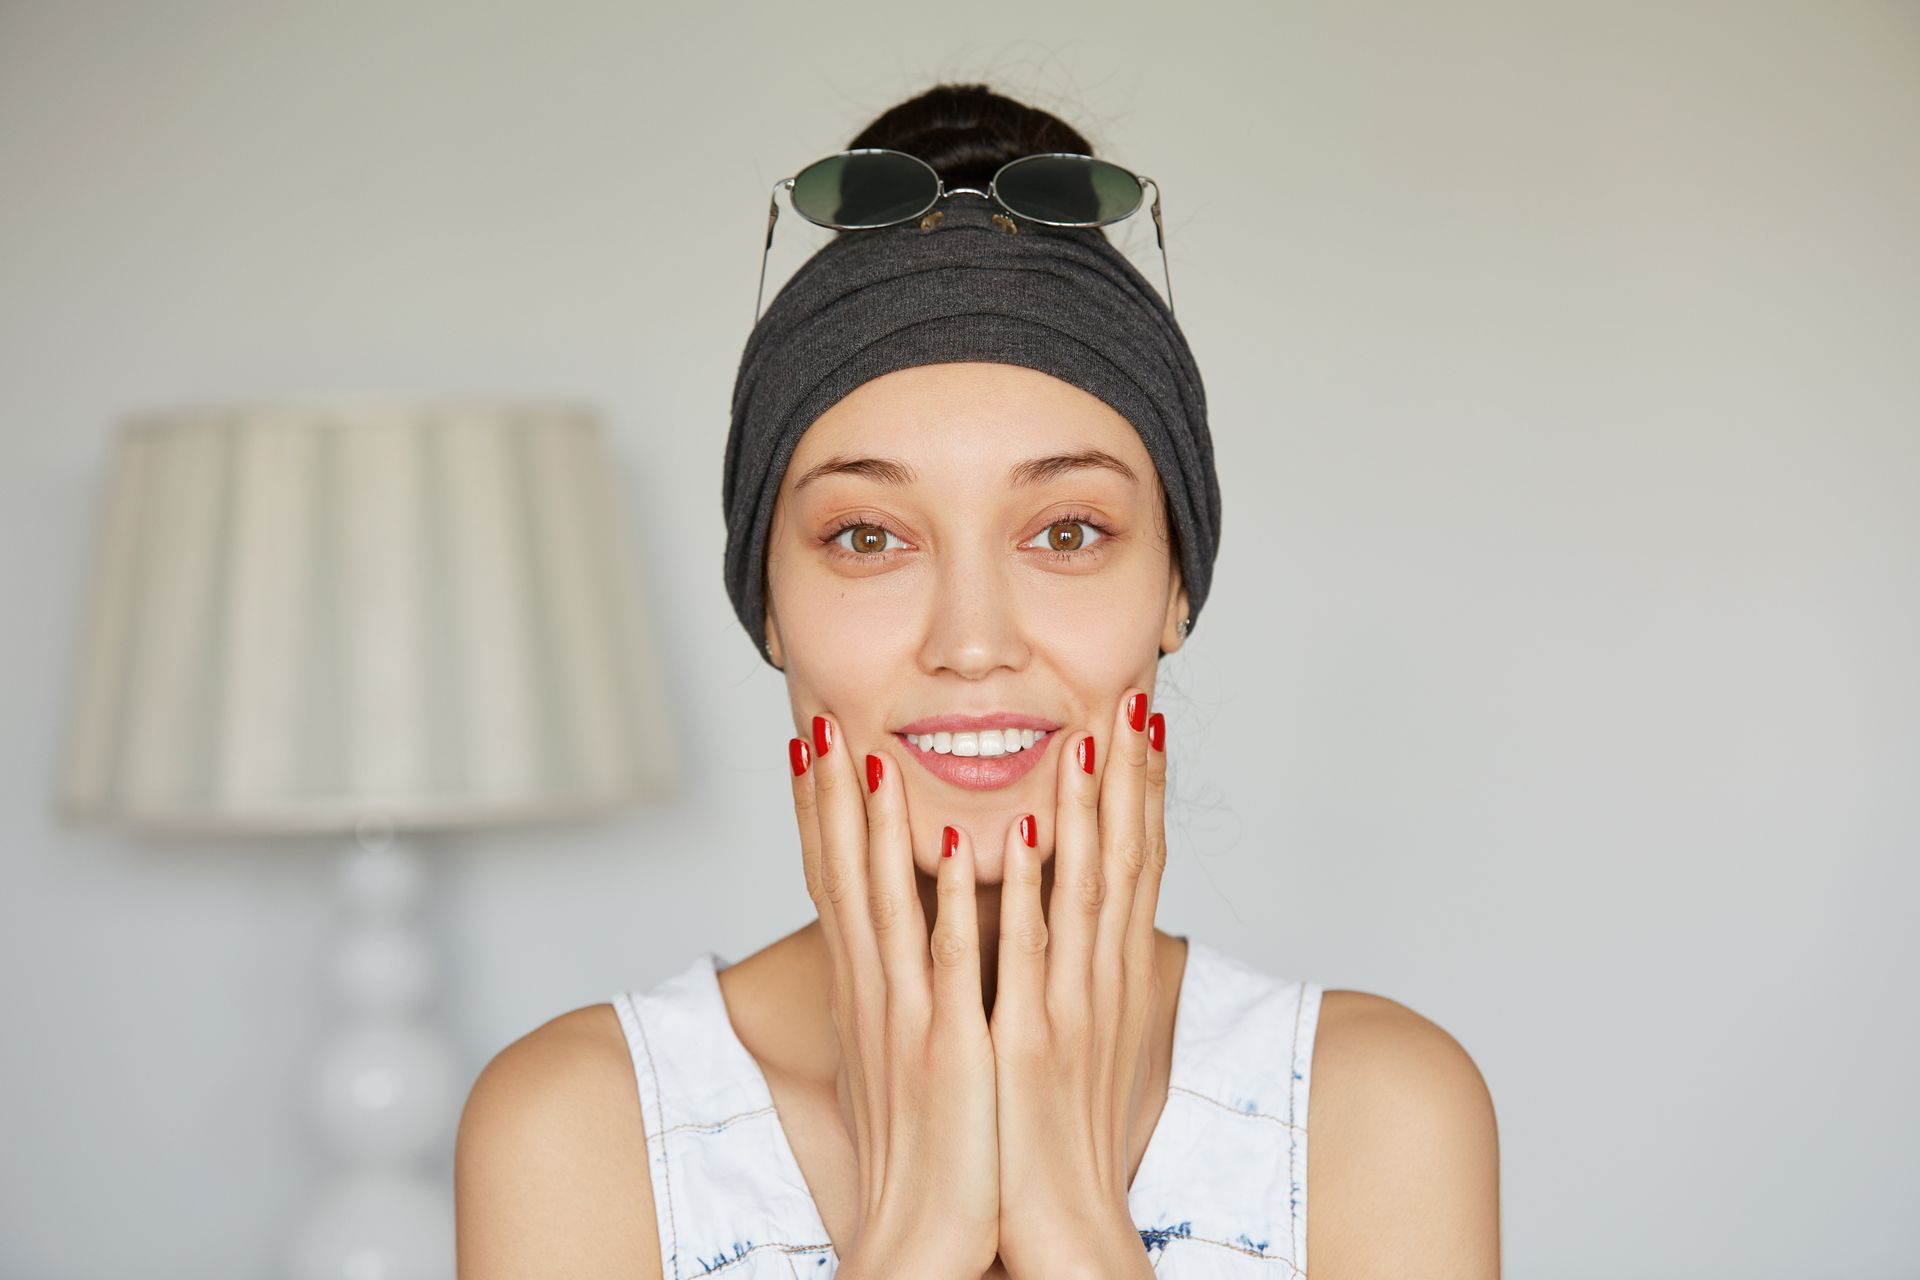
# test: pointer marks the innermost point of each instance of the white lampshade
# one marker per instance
(304, 614)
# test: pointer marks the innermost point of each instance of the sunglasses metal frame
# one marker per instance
(942, 191)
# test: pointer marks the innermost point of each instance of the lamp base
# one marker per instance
(386, 1091)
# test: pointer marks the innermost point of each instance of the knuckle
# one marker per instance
(886, 909)
(1027, 938)
(1090, 890)
(948, 948)
(835, 880)
(1130, 854)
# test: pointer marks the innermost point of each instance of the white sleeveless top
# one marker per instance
(1221, 1192)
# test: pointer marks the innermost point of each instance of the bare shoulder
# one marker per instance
(550, 1167)
(1403, 1165)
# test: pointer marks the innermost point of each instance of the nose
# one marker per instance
(973, 624)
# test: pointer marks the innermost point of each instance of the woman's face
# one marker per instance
(969, 539)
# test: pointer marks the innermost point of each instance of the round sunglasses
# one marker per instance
(879, 187)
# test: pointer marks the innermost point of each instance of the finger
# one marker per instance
(899, 921)
(843, 857)
(1140, 948)
(1123, 826)
(1142, 966)
(954, 946)
(1020, 990)
(1079, 879)
(806, 814)
(1122, 820)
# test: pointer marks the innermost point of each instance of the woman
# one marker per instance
(971, 501)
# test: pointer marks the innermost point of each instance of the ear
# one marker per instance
(1170, 637)
(775, 651)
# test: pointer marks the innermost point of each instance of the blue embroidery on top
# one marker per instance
(740, 1248)
(1258, 1246)
(1157, 1237)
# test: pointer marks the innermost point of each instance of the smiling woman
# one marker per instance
(971, 503)
(1020, 586)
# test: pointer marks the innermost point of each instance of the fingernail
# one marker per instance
(949, 841)
(1085, 754)
(1157, 732)
(1027, 833)
(822, 735)
(797, 755)
(1137, 711)
(873, 774)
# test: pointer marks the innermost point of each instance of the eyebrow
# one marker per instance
(1032, 471)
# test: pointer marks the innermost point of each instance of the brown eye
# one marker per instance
(864, 539)
(1070, 537)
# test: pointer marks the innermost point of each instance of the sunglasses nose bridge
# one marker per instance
(942, 191)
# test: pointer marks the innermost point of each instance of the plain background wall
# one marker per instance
(1562, 673)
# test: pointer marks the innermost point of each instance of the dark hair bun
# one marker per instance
(967, 131)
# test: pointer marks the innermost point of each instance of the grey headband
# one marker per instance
(1061, 300)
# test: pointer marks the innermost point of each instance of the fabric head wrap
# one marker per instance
(1061, 300)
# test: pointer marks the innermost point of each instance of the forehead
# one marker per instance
(967, 417)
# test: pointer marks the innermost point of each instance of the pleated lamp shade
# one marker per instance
(304, 614)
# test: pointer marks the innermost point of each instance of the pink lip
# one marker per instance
(980, 773)
(971, 724)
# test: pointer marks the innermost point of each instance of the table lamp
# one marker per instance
(379, 617)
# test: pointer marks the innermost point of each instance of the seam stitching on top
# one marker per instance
(666, 1156)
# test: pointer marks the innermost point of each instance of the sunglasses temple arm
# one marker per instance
(773, 214)
(1160, 237)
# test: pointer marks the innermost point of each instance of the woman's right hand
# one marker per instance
(916, 1080)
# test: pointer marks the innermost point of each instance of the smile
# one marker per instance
(979, 761)
(986, 742)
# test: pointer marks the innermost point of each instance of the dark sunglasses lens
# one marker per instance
(1068, 189)
(872, 189)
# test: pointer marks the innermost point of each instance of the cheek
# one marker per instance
(1102, 641)
(848, 630)
(848, 652)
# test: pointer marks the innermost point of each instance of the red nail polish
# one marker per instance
(797, 755)
(822, 735)
(949, 841)
(1027, 833)
(1137, 711)
(1157, 732)
(1085, 754)
(873, 774)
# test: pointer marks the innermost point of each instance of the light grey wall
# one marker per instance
(1560, 679)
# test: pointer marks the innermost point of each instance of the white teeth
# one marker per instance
(987, 742)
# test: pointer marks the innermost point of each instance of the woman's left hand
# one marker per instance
(1075, 995)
